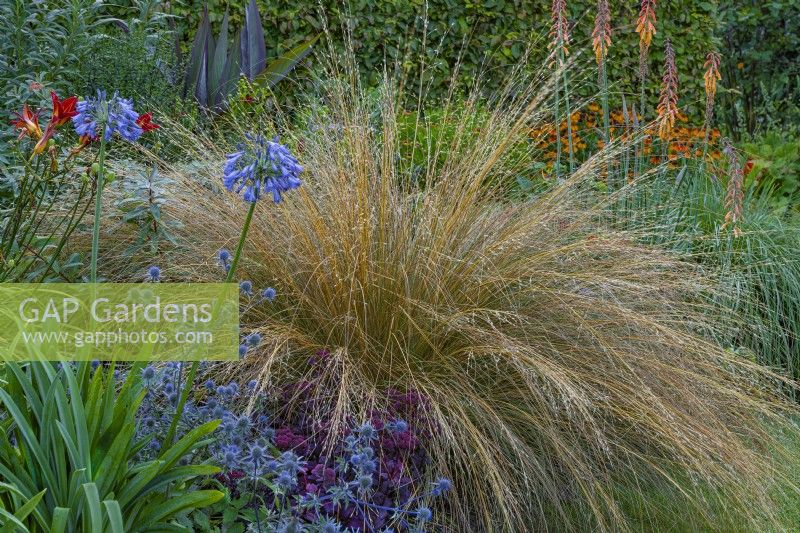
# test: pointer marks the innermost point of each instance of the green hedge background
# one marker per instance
(487, 33)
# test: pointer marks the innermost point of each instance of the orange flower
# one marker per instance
(646, 23)
(42, 144)
(668, 102)
(712, 74)
(28, 123)
(601, 35)
(145, 122)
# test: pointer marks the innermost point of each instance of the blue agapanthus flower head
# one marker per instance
(116, 113)
(261, 167)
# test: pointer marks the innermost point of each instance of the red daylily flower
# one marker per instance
(145, 122)
(27, 122)
(63, 110)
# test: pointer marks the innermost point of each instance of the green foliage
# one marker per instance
(775, 171)
(138, 63)
(146, 193)
(44, 42)
(39, 211)
(758, 272)
(761, 73)
(476, 35)
(68, 443)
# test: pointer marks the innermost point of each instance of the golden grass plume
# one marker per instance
(563, 361)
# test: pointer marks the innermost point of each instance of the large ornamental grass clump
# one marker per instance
(564, 364)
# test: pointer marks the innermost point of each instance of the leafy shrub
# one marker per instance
(761, 73)
(561, 360)
(44, 42)
(138, 62)
(146, 194)
(773, 164)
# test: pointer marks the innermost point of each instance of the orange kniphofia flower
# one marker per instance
(712, 75)
(646, 23)
(27, 122)
(601, 35)
(668, 102)
(646, 28)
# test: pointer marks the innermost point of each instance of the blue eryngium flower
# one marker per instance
(261, 167)
(116, 113)
(269, 294)
(246, 287)
(154, 274)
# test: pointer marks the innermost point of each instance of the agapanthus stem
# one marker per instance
(193, 370)
(240, 245)
(98, 205)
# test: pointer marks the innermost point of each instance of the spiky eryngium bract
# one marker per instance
(562, 359)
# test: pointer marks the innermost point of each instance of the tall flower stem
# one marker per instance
(606, 118)
(240, 245)
(569, 118)
(193, 370)
(558, 130)
(255, 471)
(98, 205)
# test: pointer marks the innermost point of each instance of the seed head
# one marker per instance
(668, 102)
